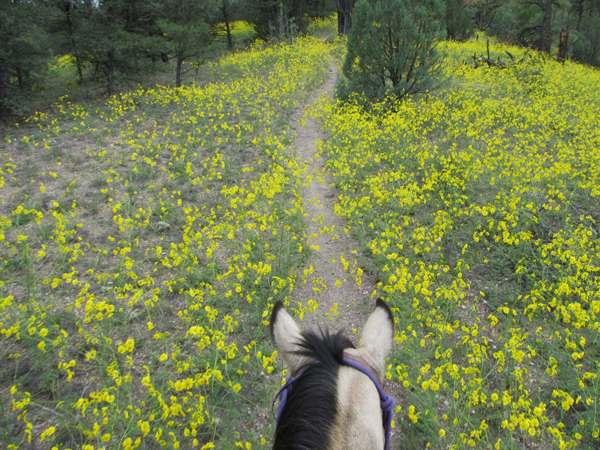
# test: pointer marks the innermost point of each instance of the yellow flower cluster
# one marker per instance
(143, 242)
(479, 205)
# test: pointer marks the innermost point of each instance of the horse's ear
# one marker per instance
(378, 334)
(285, 334)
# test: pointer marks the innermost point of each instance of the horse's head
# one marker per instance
(330, 400)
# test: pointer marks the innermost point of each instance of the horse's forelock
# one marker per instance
(309, 415)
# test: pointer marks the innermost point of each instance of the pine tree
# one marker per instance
(186, 31)
(225, 8)
(67, 20)
(392, 47)
(120, 39)
(24, 54)
(586, 35)
(277, 18)
(459, 25)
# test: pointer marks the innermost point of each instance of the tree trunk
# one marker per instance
(580, 11)
(229, 38)
(225, 13)
(74, 52)
(178, 72)
(547, 27)
(344, 12)
(79, 68)
(20, 79)
(109, 69)
(110, 82)
(4, 87)
(562, 46)
(449, 20)
(300, 18)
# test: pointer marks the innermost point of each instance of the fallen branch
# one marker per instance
(480, 60)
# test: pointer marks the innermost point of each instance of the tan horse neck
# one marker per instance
(358, 425)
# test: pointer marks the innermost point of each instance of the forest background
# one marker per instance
(50, 48)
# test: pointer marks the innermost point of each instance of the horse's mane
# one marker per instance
(309, 413)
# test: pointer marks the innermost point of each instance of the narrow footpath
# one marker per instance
(330, 274)
(342, 303)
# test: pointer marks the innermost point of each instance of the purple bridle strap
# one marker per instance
(386, 401)
(285, 391)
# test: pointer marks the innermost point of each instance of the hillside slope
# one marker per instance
(478, 204)
(143, 242)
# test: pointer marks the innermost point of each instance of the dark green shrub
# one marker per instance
(392, 48)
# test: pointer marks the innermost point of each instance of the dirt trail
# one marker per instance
(343, 304)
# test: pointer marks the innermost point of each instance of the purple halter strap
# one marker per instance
(386, 401)
(286, 390)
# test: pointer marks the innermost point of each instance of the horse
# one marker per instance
(334, 398)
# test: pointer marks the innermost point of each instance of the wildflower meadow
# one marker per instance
(477, 206)
(142, 245)
(145, 238)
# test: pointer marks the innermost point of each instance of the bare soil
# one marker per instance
(343, 304)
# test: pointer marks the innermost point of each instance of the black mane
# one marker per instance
(309, 413)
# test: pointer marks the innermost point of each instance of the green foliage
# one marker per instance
(67, 23)
(92, 47)
(186, 31)
(120, 40)
(459, 25)
(504, 21)
(183, 38)
(516, 21)
(280, 18)
(392, 48)
(586, 46)
(522, 22)
(24, 54)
